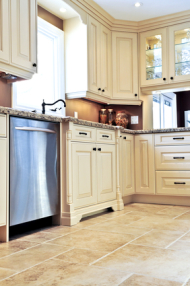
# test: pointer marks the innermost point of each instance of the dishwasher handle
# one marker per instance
(35, 129)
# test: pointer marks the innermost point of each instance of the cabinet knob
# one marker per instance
(135, 94)
(99, 149)
(103, 90)
(34, 65)
(99, 89)
(94, 149)
(171, 78)
(124, 137)
(164, 78)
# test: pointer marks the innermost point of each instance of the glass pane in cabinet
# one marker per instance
(182, 52)
(154, 57)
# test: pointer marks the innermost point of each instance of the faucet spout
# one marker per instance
(44, 104)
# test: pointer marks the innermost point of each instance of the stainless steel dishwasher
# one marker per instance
(34, 164)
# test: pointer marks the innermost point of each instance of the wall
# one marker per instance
(49, 17)
(183, 104)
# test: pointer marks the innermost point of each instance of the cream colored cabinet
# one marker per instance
(99, 58)
(18, 37)
(127, 168)
(3, 181)
(106, 165)
(23, 34)
(125, 67)
(153, 57)
(144, 164)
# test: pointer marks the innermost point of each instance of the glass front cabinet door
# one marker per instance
(179, 52)
(153, 56)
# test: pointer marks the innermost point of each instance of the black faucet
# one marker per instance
(44, 104)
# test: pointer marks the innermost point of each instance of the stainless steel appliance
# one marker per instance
(34, 188)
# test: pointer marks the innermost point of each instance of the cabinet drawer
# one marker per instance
(177, 138)
(82, 133)
(105, 136)
(3, 125)
(173, 183)
(172, 158)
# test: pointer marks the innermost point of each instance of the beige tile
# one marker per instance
(89, 221)
(139, 280)
(39, 237)
(14, 246)
(60, 230)
(166, 264)
(127, 218)
(173, 211)
(149, 208)
(181, 245)
(29, 257)
(57, 272)
(188, 283)
(81, 256)
(158, 238)
(4, 273)
(112, 226)
(186, 237)
(89, 239)
(110, 215)
(185, 216)
(162, 223)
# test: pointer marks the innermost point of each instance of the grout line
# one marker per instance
(177, 239)
(126, 279)
(119, 248)
(35, 265)
(186, 281)
(149, 246)
(180, 215)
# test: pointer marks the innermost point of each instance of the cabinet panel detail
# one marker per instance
(3, 125)
(3, 181)
(177, 138)
(144, 164)
(4, 31)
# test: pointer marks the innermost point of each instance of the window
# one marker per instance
(48, 83)
(164, 111)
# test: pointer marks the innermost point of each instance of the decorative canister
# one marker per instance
(103, 116)
(111, 116)
(122, 119)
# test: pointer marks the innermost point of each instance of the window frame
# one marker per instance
(57, 35)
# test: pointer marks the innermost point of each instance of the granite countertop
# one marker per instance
(32, 115)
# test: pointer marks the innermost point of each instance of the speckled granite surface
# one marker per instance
(21, 113)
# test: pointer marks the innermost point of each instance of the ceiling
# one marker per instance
(54, 6)
(125, 9)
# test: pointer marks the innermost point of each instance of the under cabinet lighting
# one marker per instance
(63, 10)
(138, 4)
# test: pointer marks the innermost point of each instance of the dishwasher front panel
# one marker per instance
(34, 187)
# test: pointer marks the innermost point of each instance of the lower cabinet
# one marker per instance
(3, 180)
(127, 169)
(144, 164)
(93, 173)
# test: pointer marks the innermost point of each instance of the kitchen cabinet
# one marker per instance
(125, 65)
(144, 164)
(18, 38)
(127, 167)
(3, 181)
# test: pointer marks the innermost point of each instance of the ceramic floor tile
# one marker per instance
(162, 223)
(158, 238)
(173, 211)
(14, 246)
(166, 264)
(188, 283)
(57, 272)
(186, 237)
(127, 218)
(40, 237)
(139, 280)
(185, 216)
(181, 245)
(94, 240)
(60, 230)
(112, 226)
(4, 273)
(29, 257)
(81, 256)
(89, 221)
(149, 208)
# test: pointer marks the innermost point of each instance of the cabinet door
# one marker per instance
(84, 174)
(4, 31)
(3, 181)
(106, 171)
(94, 40)
(125, 68)
(144, 164)
(128, 176)
(179, 56)
(24, 33)
(153, 57)
(105, 62)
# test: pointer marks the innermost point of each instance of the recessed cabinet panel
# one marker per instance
(23, 26)
(4, 31)
(125, 69)
(106, 172)
(84, 174)
(144, 164)
(3, 125)
(177, 138)
(3, 181)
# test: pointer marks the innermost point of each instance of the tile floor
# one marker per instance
(143, 245)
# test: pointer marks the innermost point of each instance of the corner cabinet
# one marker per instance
(144, 164)
(18, 37)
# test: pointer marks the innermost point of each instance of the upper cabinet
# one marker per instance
(125, 67)
(18, 37)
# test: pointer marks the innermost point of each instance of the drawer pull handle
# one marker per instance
(178, 138)
(99, 149)
(178, 157)
(106, 136)
(179, 183)
(82, 133)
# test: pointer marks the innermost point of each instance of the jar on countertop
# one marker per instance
(122, 119)
(103, 116)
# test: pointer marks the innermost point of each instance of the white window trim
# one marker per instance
(57, 34)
